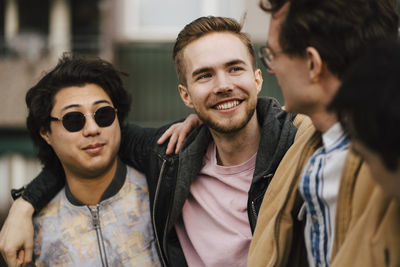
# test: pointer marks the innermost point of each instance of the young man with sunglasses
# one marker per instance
(323, 208)
(205, 200)
(102, 215)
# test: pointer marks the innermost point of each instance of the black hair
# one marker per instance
(338, 29)
(368, 101)
(71, 70)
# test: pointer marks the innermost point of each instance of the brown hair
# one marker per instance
(200, 27)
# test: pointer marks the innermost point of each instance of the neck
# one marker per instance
(89, 190)
(236, 148)
(322, 119)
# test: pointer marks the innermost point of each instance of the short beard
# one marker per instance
(227, 129)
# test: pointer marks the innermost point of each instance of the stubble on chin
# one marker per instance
(227, 126)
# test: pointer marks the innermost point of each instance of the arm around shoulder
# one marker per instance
(44, 187)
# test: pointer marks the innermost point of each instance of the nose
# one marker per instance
(91, 128)
(223, 83)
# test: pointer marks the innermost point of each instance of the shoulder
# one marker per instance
(269, 110)
(303, 124)
(56, 203)
(269, 104)
(373, 237)
(198, 140)
(135, 176)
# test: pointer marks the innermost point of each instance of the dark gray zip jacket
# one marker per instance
(169, 177)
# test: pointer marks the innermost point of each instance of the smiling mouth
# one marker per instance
(227, 105)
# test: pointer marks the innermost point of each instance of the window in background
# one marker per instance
(85, 26)
(398, 6)
(2, 14)
(2, 38)
(162, 20)
(34, 16)
(31, 40)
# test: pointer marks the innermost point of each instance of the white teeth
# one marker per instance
(228, 105)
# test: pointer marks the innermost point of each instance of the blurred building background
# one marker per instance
(136, 35)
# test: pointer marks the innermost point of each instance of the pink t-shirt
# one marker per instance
(214, 229)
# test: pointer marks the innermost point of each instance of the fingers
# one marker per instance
(20, 258)
(183, 133)
(28, 253)
(173, 133)
(164, 137)
(10, 256)
(171, 144)
(178, 132)
(16, 236)
(179, 144)
(167, 134)
(16, 258)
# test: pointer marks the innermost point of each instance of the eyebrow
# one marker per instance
(201, 70)
(235, 62)
(77, 105)
(207, 69)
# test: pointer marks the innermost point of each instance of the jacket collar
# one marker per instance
(112, 189)
(277, 135)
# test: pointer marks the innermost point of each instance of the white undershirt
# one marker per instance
(319, 187)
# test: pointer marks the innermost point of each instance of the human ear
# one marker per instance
(258, 79)
(314, 63)
(45, 135)
(183, 91)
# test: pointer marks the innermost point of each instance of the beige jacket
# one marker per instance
(367, 228)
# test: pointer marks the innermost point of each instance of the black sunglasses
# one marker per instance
(74, 121)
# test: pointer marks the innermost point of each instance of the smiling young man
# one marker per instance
(101, 217)
(222, 88)
(327, 210)
(205, 200)
(207, 210)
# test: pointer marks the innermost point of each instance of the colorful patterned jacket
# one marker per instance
(115, 232)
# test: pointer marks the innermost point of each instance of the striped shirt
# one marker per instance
(319, 187)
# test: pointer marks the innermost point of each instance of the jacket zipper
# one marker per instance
(94, 210)
(253, 210)
(161, 255)
(253, 204)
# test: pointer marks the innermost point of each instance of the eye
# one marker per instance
(204, 76)
(236, 69)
